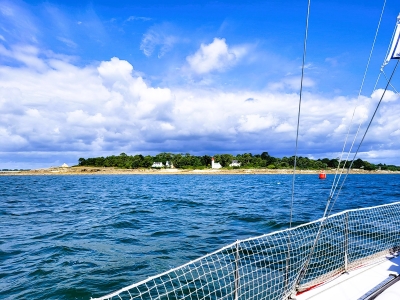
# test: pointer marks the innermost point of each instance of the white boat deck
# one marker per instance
(359, 284)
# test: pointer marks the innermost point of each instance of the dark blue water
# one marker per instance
(76, 237)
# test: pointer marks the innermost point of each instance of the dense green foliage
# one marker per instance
(247, 160)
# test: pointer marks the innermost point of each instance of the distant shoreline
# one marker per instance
(111, 171)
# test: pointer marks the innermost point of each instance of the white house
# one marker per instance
(235, 163)
(64, 165)
(157, 165)
(215, 165)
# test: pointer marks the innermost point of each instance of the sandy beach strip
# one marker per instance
(110, 171)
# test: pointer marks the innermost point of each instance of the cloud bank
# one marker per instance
(53, 108)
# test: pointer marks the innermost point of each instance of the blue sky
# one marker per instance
(82, 79)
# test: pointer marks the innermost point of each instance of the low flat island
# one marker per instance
(79, 170)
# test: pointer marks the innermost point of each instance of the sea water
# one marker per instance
(76, 237)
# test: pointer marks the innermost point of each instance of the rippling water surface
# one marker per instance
(76, 237)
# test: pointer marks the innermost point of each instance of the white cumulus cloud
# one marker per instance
(216, 56)
(388, 97)
(115, 70)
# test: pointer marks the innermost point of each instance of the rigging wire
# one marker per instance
(365, 133)
(384, 62)
(337, 177)
(304, 269)
(299, 111)
(358, 129)
(388, 50)
(337, 180)
(377, 80)
(297, 139)
(383, 72)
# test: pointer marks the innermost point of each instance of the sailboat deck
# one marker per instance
(360, 283)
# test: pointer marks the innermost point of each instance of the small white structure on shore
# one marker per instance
(215, 165)
(169, 164)
(64, 165)
(235, 163)
(157, 165)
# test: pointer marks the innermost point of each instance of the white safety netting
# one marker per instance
(276, 265)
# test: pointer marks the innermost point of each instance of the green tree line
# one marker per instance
(246, 160)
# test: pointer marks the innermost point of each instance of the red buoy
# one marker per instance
(322, 175)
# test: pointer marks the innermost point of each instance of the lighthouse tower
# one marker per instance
(215, 165)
